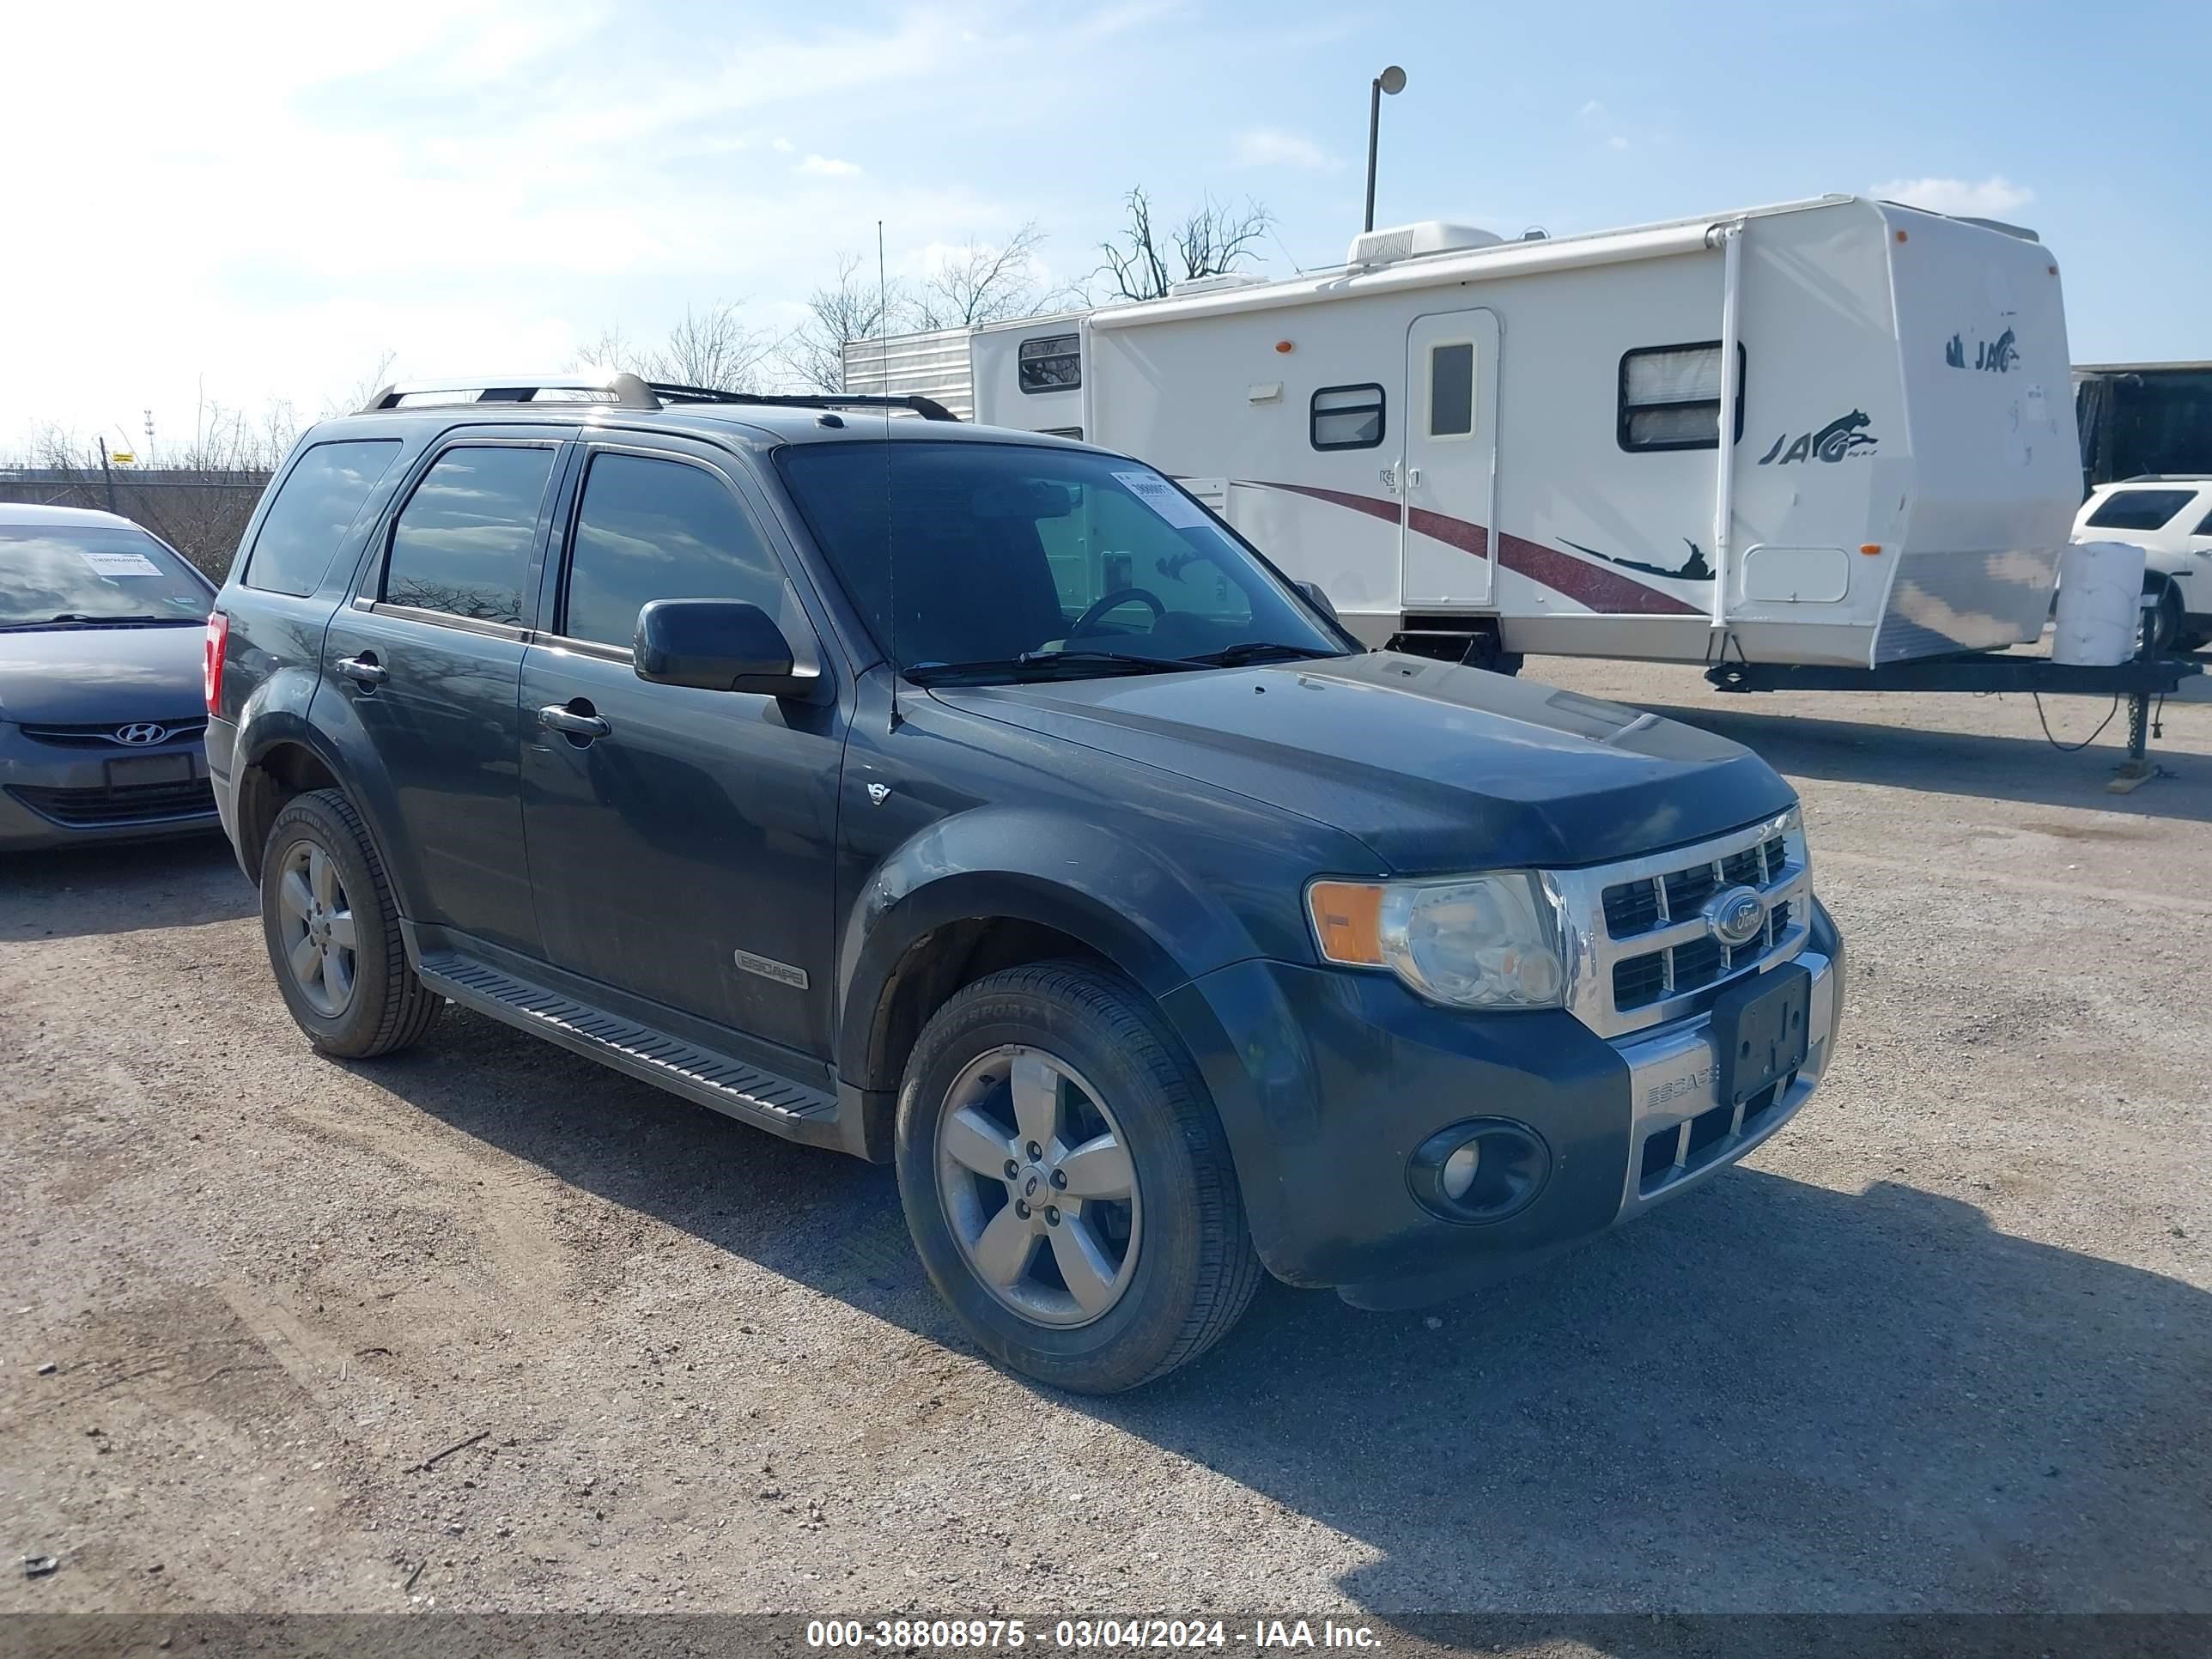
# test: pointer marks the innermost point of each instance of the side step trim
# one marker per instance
(777, 1105)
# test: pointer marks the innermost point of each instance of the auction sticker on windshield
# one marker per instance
(1165, 498)
(120, 565)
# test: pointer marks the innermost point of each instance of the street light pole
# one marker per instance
(1392, 81)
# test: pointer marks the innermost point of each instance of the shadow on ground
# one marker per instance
(1962, 762)
(1772, 1395)
(122, 887)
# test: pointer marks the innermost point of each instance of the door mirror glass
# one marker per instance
(718, 645)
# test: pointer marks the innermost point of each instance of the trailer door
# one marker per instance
(1446, 477)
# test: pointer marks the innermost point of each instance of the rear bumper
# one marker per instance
(1330, 1083)
(52, 795)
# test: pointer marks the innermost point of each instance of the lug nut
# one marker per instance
(1012, 1168)
(1051, 1216)
(1035, 1151)
(1021, 1209)
(1059, 1177)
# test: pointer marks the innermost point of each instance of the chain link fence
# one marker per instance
(201, 514)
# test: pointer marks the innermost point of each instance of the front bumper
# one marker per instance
(78, 794)
(1329, 1082)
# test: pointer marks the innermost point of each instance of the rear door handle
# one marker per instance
(363, 669)
(558, 718)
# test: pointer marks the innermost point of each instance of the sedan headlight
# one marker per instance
(1487, 941)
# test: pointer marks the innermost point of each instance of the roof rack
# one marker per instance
(624, 392)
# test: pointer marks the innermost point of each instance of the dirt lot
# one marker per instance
(488, 1326)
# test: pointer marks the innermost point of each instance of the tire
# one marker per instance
(369, 1003)
(2165, 621)
(1178, 1251)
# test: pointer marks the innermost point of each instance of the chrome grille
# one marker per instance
(1638, 948)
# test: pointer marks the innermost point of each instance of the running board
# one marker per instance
(775, 1103)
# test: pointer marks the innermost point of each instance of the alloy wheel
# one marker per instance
(1038, 1187)
(317, 928)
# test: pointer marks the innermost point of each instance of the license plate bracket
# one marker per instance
(138, 769)
(1761, 1030)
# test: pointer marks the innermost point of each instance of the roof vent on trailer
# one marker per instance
(1216, 282)
(1382, 247)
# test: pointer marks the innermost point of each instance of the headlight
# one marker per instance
(1489, 941)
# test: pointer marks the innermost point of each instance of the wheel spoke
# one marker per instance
(306, 961)
(321, 877)
(1099, 1168)
(1083, 1264)
(976, 1143)
(1035, 1083)
(1003, 1250)
(342, 930)
(293, 894)
(338, 973)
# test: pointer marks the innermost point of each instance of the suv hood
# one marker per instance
(86, 676)
(1434, 766)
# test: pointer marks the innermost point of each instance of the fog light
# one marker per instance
(1458, 1174)
(1484, 1168)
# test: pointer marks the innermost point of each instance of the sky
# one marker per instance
(238, 207)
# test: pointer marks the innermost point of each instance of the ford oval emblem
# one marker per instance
(1736, 916)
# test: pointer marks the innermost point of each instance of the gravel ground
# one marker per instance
(488, 1326)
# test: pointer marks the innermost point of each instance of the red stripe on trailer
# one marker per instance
(1604, 590)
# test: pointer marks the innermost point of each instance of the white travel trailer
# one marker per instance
(1476, 446)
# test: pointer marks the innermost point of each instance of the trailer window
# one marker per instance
(1053, 363)
(1670, 396)
(2140, 509)
(1451, 390)
(1346, 418)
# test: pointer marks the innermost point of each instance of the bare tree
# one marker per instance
(856, 307)
(983, 283)
(356, 396)
(1209, 240)
(715, 347)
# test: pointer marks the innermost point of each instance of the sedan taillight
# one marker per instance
(218, 636)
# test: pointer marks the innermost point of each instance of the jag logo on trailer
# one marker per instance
(1995, 357)
(1845, 435)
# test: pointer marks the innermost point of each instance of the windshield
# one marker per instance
(53, 574)
(996, 555)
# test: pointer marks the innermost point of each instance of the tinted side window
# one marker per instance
(320, 499)
(1054, 363)
(1451, 390)
(659, 530)
(2140, 509)
(463, 542)
(1346, 417)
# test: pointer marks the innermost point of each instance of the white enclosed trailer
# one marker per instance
(1478, 445)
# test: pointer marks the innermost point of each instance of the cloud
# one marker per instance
(1597, 119)
(783, 146)
(828, 167)
(1270, 146)
(1992, 198)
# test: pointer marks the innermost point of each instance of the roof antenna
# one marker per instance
(891, 563)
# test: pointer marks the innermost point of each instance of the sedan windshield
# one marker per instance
(988, 560)
(56, 575)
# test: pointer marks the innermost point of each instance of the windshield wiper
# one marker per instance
(1252, 651)
(86, 619)
(1044, 664)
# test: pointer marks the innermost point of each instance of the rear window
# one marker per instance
(314, 509)
(58, 573)
(2140, 509)
(462, 542)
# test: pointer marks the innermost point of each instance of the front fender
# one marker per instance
(1111, 892)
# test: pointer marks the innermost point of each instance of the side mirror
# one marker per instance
(717, 645)
(1312, 590)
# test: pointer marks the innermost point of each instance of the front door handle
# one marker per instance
(575, 722)
(363, 669)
